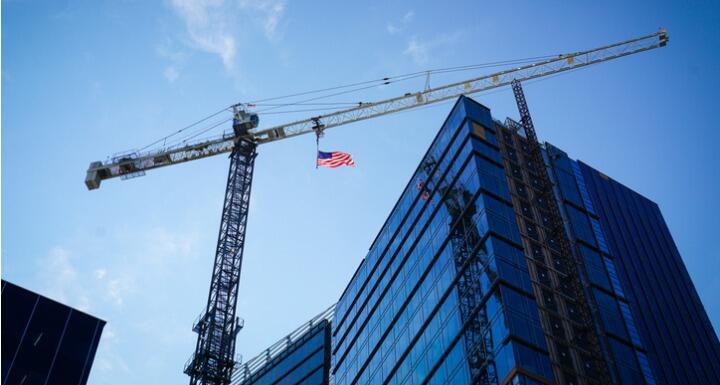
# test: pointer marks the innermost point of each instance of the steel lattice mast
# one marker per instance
(217, 327)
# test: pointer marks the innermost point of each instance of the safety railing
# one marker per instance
(244, 370)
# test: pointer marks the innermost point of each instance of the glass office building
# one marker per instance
(495, 269)
(620, 338)
(670, 329)
(300, 358)
(444, 294)
(45, 342)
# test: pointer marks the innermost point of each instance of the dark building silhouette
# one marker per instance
(44, 341)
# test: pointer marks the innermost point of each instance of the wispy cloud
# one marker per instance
(108, 357)
(418, 50)
(422, 50)
(62, 279)
(394, 28)
(118, 288)
(408, 16)
(171, 74)
(207, 26)
(176, 57)
(212, 25)
(122, 278)
(100, 273)
(268, 12)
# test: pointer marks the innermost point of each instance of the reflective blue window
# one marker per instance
(602, 244)
(566, 183)
(612, 273)
(492, 178)
(580, 224)
(504, 361)
(582, 187)
(534, 361)
(594, 266)
(514, 274)
(487, 150)
(645, 368)
(626, 362)
(630, 323)
(611, 317)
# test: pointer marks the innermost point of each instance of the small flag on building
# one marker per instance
(334, 159)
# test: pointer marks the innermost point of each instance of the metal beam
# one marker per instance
(131, 165)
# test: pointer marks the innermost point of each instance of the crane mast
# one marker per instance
(214, 357)
(213, 360)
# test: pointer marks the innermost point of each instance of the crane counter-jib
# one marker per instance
(133, 163)
(136, 164)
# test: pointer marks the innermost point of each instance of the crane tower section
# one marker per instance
(214, 357)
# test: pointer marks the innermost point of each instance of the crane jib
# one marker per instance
(135, 164)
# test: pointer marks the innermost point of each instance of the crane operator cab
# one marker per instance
(244, 121)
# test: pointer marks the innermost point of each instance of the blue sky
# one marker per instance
(82, 80)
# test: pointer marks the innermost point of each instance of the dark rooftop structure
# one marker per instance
(44, 341)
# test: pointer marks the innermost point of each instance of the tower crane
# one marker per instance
(217, 327)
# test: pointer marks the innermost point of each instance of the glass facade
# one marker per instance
(45, 342)
(665, 323)
(305, 361)
(494, 269)
(620, 338)
(443, 295)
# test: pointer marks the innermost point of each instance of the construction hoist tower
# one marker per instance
(217, 328)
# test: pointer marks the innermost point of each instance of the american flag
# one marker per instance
(334, 159)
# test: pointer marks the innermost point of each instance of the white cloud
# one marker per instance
(409, 15)
(117, 288)
(171, 74)
(164, 246)
(108, 358)
(422, 50)
(213, 24)
(398, 27)
(418, 50)
(176, 57)
(62, 280)
(128, 277)
(269, 11)
(100, 273)
(207, 28)
(392, 29)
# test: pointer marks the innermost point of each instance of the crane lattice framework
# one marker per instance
(217, 327)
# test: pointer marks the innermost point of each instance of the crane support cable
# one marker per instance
(389, 80)
(411, 100)
(168, 142)
(139, 162)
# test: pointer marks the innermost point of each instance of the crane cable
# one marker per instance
(365, 85)
(413, 74)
